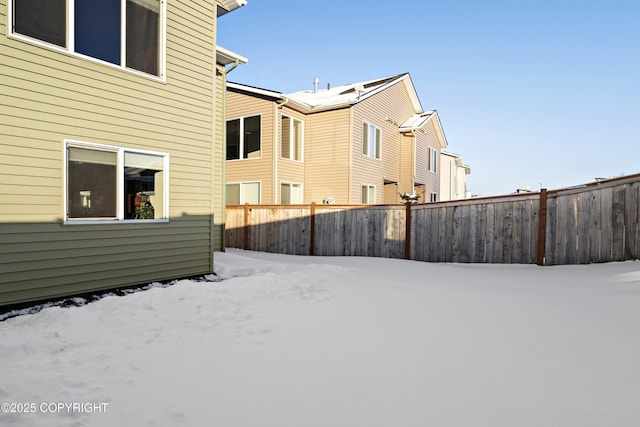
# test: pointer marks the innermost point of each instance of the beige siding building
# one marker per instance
(453, 177)
(360, 143)
(111, 153)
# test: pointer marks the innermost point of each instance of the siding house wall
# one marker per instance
(258, 169)
(49, 96)
(427, 138)
(327, 156)
(289, 171)
(386, 110)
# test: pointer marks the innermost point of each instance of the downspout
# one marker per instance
(276, 156)
(224, 71)
(414, 147)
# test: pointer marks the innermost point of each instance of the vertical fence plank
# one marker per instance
(618, 223)
(550, 239)
(606, 224)
(595, 228)
(407, 232)
(632, 201)
(517, 232)
(584, 234)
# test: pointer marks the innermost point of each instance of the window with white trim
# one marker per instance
(368, 194)
(291, 136)
(290, 193)
(433, 197)
(114, 183)
(243, 192)
(126, 33)
(371, 140)
(433, 160)
(243, 138)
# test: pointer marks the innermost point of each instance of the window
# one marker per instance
(371, 140)
(433, 160)
(97, 29)
(113, 183)
(290, 193)
(243, 138)
(368, 194)
(291, 138)
(244, 192)
(434, 197)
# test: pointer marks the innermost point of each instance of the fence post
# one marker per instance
(542, 227)
(407, 232)
(245, 243)
(312, 229)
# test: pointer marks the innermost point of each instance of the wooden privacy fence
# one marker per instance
(597, 222)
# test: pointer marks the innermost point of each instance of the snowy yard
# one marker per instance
(286, 341)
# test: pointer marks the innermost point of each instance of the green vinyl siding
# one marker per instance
(50, 96)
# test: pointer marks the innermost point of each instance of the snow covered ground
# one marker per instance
(326, 341)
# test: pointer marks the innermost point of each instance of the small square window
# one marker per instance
(243, 192)
(368, 194)
(244, 138)
(290, 193)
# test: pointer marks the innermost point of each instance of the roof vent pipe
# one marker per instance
(316, 82)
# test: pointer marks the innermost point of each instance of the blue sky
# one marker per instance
(531, 94)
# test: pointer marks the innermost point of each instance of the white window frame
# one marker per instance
(433, 160)
(241, 192)
(370, 188)
(120, 208)
(367, 143)
(292, 138)
(162, 40)
(291, 184)
(241, 142)
(433, 196)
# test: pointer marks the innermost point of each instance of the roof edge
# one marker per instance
(226, 6)
(225, 57)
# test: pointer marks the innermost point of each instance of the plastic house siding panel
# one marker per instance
(385, 110)
(427, 138)
(327, 151)
(261, 168)
(49, 97)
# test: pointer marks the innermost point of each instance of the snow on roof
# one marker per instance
(226, 6)
(225, 56)
(416, 121)
(255, 90)
(342, 96)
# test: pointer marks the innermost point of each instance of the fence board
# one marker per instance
(595, 229)
(489, 255)
(632, 200)
(618, 224)
(606, 226)
(550, 240)
(584, 233)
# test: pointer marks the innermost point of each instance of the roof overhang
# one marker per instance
(418, 121)
(226, 6)
(226, 57)
(256, 91)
